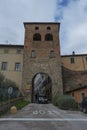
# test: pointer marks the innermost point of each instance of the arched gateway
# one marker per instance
(42, 57)
(41, 86)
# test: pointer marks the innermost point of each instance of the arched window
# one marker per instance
(48, 28)
(37, 37)
(36, 28)
(48, 37)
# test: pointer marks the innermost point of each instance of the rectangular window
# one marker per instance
(33, 54)
(86, 59)
(18, 51)
(52, 54)
(72, 60)
(17, 66)
(6, 51)
(4, 66)
(82, 95)
(73, 94)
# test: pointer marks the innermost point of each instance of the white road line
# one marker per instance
(41, 119)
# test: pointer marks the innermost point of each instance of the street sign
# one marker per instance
(27, 88)
(10, 90)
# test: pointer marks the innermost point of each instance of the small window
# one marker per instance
(72, 60)
(85, 99)
(18, 51)
(33, 54)
(36, 28)
(72, 94)
(48, 28)
(52, 54)
(4, 66)
(48, 37)
(86, 59)
(6, 50)
(17, 66)
(82, 95)
(37, 37)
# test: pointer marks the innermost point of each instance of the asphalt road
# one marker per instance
(43, 117)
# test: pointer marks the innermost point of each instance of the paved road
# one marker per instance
(43, 117)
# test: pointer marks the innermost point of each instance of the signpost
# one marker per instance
(10, 91)
(27, 89)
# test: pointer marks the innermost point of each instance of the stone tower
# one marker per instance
(42, 54)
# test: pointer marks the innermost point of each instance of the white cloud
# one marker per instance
(71, 13)
(14, 12)
(74, 27)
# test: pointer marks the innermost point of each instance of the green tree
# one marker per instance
(4, 85)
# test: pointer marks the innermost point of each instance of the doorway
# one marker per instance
(41, 86)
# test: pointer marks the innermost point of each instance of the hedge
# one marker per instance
(65, 102)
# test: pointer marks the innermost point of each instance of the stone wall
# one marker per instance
(73, 79)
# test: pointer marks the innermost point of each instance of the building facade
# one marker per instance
(11, 62)
(40, 54)
(74, 72)
(77, 62)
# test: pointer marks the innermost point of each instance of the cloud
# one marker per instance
(72, 14)
(73, 26)
(14, 12)
(8, 33)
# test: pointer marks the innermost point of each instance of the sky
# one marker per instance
(72, 15)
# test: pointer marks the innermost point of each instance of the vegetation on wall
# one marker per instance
(4, 85)
(65, 102)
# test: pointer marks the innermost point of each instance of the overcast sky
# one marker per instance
(72, 14)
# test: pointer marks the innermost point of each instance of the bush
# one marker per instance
(21, 104)
(4, 85)
(65, 102)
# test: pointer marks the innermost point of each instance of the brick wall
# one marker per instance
(42, 62)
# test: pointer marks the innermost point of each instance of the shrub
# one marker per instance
(65, 102)
(4, 85)
(21, 104)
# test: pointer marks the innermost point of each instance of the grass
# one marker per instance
(21, 104)
(18, 104)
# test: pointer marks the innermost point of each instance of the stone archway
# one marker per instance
(41, 85)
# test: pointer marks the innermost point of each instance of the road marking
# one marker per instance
(50, 112)
(35, 112)
(42, 112)
(41, 119)
(56, 112)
